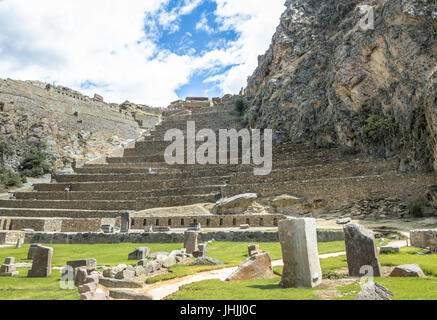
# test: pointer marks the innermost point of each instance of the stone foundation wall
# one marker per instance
(11, 237)
(213, 221)
(424, 239)
(232, 236)
(51, 225)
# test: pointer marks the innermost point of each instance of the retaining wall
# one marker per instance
(144, 238)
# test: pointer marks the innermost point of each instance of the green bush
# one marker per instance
(9, 178)
(374, 127)
(415, 207)
(35, 165)
(240, 106)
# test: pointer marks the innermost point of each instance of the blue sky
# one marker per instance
(151, 52)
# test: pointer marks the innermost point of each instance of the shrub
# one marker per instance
(374, 127)
(35, 165)
(9, 178)
(415, 207)
(240, 106)
(301, 53)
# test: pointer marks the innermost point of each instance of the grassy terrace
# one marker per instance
(402, 288)
(232, 254)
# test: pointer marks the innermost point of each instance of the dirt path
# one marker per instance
(162, 290)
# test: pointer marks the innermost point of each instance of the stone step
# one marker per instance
(115, 195)
(341, 190)
(124, 170)
(247, 174)
(140, 177)
(147, 148)
(69, 204)
(164, 167)
(58, 213)
(136, 205)
(345, 169)
(306, 154)
(132, 185)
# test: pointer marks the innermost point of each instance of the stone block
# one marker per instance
(139, 254)
(256, 267)
(125, 222)
(116, 283)
(190, 241)
(42, 263)
(125, 274)
(408, 271)
(253, 249)
(300, 253)
(129, 295)
(90, 264)
(32, 251)
(361, 251)
(374, 291)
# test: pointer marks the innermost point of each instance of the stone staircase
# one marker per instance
(104, 191)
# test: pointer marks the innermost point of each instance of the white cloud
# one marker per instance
(103, 41)
(256, 21)
(202, 25)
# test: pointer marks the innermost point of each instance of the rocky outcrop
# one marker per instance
(64, 124)
(327, 81)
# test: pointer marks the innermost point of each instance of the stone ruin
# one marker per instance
(300, 253)
(258, 266)
(122, 184)
(361, 251)
(425, 239)
(190, 241)
(8, 269)
(42, 263)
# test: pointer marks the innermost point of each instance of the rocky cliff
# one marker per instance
(65, 124)
(326, 80)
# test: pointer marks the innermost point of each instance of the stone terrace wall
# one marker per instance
(51, 224)
(11, 237)
(138, 223)
(424, 239)
(144, 238)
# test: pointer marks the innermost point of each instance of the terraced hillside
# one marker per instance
(323, 180)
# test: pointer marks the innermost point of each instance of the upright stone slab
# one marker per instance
(32, 251)
(298, 239)
(361, 251)
(190, 241)
(19, 243)
(125, 222)
(42, 263)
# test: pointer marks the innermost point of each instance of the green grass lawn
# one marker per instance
(402, 288)
(106, 254)
(23, 288)
(234, 253)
